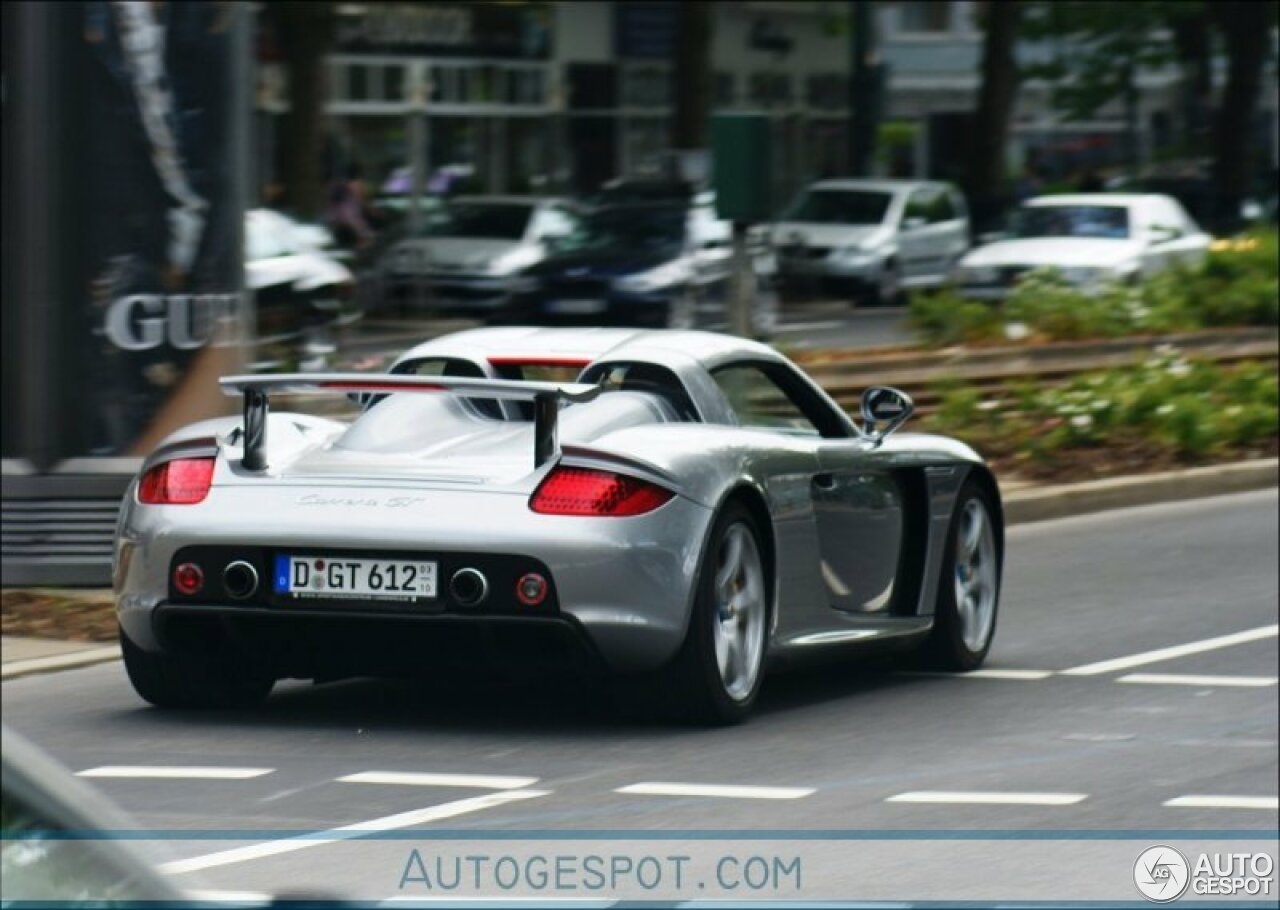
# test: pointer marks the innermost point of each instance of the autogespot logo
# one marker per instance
(1161, 874)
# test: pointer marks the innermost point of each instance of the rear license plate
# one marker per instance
(339, 578)
(576, 307)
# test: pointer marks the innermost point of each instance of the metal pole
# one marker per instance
(742, 285)
(861, 117)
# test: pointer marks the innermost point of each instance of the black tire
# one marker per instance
(169, 681)
(694, 686)
(945, 648)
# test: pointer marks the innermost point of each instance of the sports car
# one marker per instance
(683, 509)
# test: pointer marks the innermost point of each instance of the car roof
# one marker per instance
(588, 344)
(874, 184)
(1119, 199)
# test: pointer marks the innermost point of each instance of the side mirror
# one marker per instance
(883, 411)
(912, 222)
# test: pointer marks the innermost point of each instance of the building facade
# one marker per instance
(558, 96)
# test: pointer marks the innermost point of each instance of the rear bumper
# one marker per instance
(627, 583)
(318, 643)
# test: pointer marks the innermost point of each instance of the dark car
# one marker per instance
(654, 264)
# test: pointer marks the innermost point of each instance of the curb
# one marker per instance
(19, 668)
(1023, 506)
(1066, 500)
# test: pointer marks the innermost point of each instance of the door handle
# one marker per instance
(824, 481)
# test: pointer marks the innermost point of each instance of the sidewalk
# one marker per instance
(21, 656)
(1023, 502)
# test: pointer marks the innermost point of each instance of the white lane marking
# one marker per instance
(728, 791)
(988, 797)
(176, 772)
(1184, 679)
(1004, 674)
(1224, 802)
(429, 779)
(1194, 647)
(348, 832)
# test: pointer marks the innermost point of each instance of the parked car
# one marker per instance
(465, 259)
(1089, 239)
(664, 264)
(870, 240)
(293, 272)
(689, 510)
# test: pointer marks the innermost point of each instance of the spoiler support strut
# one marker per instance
(545, 396)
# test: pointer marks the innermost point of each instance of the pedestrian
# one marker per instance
(348, 210)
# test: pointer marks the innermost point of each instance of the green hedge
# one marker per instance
(1237, 285)
(1187, 410)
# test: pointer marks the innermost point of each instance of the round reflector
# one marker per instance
(188, 578)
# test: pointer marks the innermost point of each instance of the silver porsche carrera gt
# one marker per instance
(682, 508)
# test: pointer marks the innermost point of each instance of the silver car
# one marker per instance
(870, 240)
(465, 256)
(682, 507)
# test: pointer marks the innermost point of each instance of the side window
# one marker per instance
(918, 207)
(759, 402)
(941, 208)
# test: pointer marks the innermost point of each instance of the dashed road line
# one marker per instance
(1185, 679)
(349, 832)
(996, 673)
(175, 772)
(1224, 802)
(1194, 647)
(724, 791)
(988, 797)
(432, 779)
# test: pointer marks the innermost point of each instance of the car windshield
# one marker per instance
(650, 230)
(1106, 221)
(839, 207)
(497, 220)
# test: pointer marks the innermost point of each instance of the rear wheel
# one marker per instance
(195, 681)
(969, 586)
(718, 671)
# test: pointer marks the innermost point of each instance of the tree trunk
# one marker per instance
(1000, 79)
(691, 82)
(305, 33)
(1246, 28)
(1192, 39)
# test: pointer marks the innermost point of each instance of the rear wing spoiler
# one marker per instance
(546, 398)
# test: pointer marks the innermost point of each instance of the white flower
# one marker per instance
(1164, 409)
(1179, 368)
(1100, 404)
(1016, 331)
(1082, 421)
(988, 405)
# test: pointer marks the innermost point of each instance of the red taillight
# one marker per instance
(182, 481)
(583, 491)
(188, 578)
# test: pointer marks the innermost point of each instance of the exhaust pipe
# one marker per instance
(468, 587)
(240, 579)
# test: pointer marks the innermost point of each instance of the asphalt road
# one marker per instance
(1059, 730)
